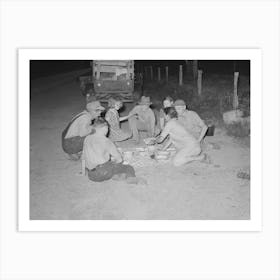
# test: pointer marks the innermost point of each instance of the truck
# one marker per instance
(110, 78)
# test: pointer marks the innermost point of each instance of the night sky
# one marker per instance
(41, 68)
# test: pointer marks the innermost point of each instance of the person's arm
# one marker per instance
(202, 125)
(83, 163)
(163, 134)
(127, 117)
(202, 133)
(152, 120)
(161, 122)
(115, 154)
(85, 126)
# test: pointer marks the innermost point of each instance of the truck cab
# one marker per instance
(110, 78)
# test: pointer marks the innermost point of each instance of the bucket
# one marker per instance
(210, 131)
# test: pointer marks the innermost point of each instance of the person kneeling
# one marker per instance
(188, 148)
(101, 158)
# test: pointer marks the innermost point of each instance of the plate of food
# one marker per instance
(150, 141)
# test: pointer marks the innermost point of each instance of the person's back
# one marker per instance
(192, 122)
(97, 150)
(79, 125)
(179, 136)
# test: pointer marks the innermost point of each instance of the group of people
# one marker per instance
(94, 138)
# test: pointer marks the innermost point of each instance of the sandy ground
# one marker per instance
(199, 190)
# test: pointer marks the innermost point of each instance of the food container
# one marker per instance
(150, 141)
(210, 130)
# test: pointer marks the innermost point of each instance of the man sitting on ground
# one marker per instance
(79, 127)
(190, 120)
(101, 158)
(142, 119)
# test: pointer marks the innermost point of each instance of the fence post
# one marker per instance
(166, 73)
(195, 68)
(180, 75)
(235, 102)
(158, 73)
(199, 82)
(152, 74)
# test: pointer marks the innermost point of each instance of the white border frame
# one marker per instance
(254, 224)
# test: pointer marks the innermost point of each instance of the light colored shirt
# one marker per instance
(145, 114)
(178, 135)
(192, 122)
(81, 126)
(99, 149)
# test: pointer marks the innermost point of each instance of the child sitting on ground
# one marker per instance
(188, 148)
(116, 134)
(101, 158)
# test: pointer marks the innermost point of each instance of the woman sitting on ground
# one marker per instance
(102, 160)
(116, 134)
(188, 148)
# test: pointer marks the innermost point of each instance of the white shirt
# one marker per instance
(81, 126)
(98, 149)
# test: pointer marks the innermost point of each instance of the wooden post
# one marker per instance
(188, 66)
(235, 102)
(195, 68)
(152, 74)
(199, 82)
(158, 72)
(146, 73)
(180, 75)
(166, 73)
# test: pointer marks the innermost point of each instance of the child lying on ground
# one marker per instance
(188, 148)
(101, 158)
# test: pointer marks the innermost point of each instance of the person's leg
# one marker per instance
(132, 122)
(187, 155)
(119, 135)
(119, 168)
(73, 146)
(151, 126)
(102, 172)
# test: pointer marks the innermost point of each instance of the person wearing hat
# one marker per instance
(142, 118)
(190, 120)
(79, 127)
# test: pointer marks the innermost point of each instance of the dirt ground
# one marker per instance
(199, 190)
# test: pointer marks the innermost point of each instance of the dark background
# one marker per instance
(41, 68)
